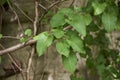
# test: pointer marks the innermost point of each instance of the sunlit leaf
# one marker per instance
(58, 33)
(66, 11)
(78, 24)
(63, 48)
(77, 9)
(98, 7)
(76, 77)
(101, 69)
(76, 43)
(44, 40)
(70, 62)
(57, 20)
(23, 39)
(28, 32)
(109, 20)
(86, 18)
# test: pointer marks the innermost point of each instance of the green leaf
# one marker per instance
(118, 24)
(98, 7)
(101, 69)
(66, 11)
(57, 20)
(113, 71)
(28, 32)
(109, 20)
(70, 62)
(78, 24)
(44, 40)
(49, 40)
(37, 37)
(77, 9)
(87, 19)
(58, 33)
(100, 59)
(40, 48)
(76, 77)
(1, 36)
(63, 48)
(75, 42)
(77, 45)
(23, 39)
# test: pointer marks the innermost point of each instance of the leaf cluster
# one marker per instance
(76, 29)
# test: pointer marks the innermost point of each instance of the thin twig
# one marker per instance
(55, 3)
(36, 18)
(50, 2)
(23, 12)
(10, 37)
(33, 46)
(48, 9)
(14, 62)
(72, 3)
(43, 7)
(16, 47)
(11, 58)
(15, 15)
(18, 66)
(1, 21)
(67, 28)
(29, 63)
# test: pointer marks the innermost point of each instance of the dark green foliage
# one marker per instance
(76, 29)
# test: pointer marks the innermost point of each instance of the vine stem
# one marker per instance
(16, 47)
(33, 46)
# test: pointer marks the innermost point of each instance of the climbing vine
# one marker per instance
(76, 29)
(71, 30)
